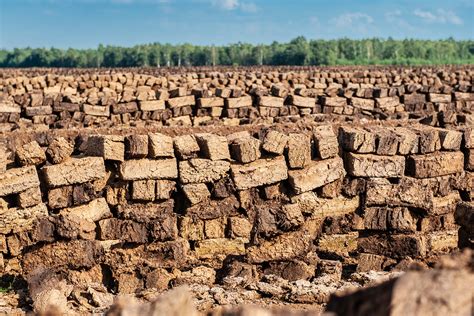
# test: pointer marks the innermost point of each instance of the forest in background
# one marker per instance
(299, 51)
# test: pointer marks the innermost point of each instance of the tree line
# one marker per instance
(298, 51)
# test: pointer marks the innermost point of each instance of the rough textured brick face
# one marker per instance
(368, 165)
(213, 147)
(155, 105)
(310, 203)
(210, 102)
(93, 211)
(186, 147)
(316, 174)
(16, 220)
(233, 103)
(74, 171)
(258, 173)
(245, 149)
(30, 154)
(270, 101)
(136, 146)
(143, 169)
(200, 170)
(59, 150)
(357, 140)
(435, 164)
(144, 190)
(325, 141)
(299, 150)
(109, 147)
(196, 192)
(275, 142)
(181, 101)
(18, 180)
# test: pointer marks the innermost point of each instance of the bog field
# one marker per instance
(237, 191)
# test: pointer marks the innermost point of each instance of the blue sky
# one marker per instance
(86, 23)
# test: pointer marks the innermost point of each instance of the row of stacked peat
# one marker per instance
(150, 211)
(231, 99)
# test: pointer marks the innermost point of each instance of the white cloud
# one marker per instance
(439, 16)
(397, 19)
(350, 19)
(230, 5)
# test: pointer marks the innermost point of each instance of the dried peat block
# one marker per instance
(17, 180)
(316, 174)
(196, 192)
(74, 254)
(245, 149)
(136, 146)
(363, 104)
(357, 140)
(29, 197)
(186, 146)
(109, 147)
(181, 101)
(199, 170)
(234, 103)
(160, 146)
(210, 102)
(30, 154)
(411, 192)
(468, 136)
(96, 110)
(302, 102)
(151, 106)
(450, 140)
(435, 164)
(210, 248)
(340, 244)
(413, 292)
(93, 211)
(74, 171)
(285, 246)
(213, 147)
(394, 245)
(389, 218)
(275, 142)
(334, 101)
(15, 220)
(59, 150)
(121, 108)
(439, 98)
(145, 212)
(310, 203)
(271, 102)
(325, 141)
(439, 242)
(259, 172)
(143, 169)
(9, 108)
(369, 165)
(408, 140)
(299, 150)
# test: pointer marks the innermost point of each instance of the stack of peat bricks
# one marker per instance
(77, 98)
(262, 210)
